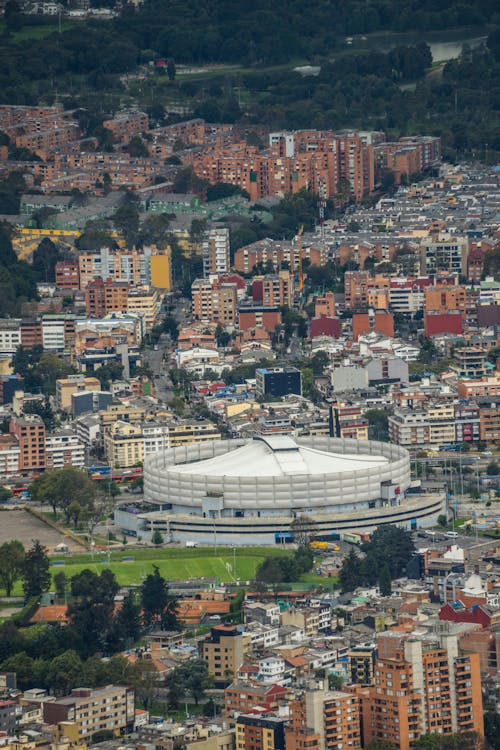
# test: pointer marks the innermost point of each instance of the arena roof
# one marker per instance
(279, 455)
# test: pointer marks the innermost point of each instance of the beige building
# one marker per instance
(106, 709)
(124, 444)
(322, 718)
(145, 301)
(66, 387)
(182, 433)
(223, 653)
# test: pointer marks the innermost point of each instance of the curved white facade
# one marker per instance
(274, 476)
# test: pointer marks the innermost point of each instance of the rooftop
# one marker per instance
(279, 456)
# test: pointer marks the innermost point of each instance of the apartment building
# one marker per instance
(30, 433)
(63, 448)
(273, 290)
(373, 320)
(242, 697)
(433, 425)
(311, 620)
(278, 381)
(222, 651)
(274, 253)
(124, 444)
(184, 432)
(421, 686)
(442, 299)
(470, 362)
(9, 456)
(407, 295)
(258, 316)
(361, 662)
(105, 709)
(355, 289)
(321, 719)
(444, 253)
(255, 732)
(484, 386)
(489, 420)
(103, 297)
(215, 251)
(67, 275)
(324, 305)
(214, 301)
(67, 387)
(127, 124)
(10, 335)
(145, 301)
(347, 421)
(31, 333)
(149, 265)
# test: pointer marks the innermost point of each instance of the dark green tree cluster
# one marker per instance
(31, 567)
(386, 557)
(274, 570)
(61, 657)
(40, 369)
(17, 280)
(71, 491)
(189, 681)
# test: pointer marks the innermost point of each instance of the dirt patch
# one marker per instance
(21, 525)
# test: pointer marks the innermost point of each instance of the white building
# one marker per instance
(215, 251)
(272, 670)
(9, 456)
(62, 448)
(155, 438)
(53, 332)
(10, 335)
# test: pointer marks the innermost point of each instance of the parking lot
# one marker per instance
(21, 525)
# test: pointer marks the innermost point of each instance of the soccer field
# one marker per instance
(132, 566)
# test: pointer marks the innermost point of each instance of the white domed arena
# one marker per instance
(248, 491)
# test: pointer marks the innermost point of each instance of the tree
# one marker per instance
(269, 572)
(128, 620)
(389, 545)
(157, 538)
(190, 679)
(379, 423)
(11, 564)
(61, 583)
(126, 221)
(92, 606)
(442, 520)
(158, 605)
(64, 672)
(137, 148)
(24, 667)
(61, 488)
(351, 572)
(171, 70)
(304, 529)
(384, 581)
(493, 469)
(36, 571)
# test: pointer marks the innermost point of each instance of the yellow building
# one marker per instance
(161, 270)
(183, 433)
(145, 301)
(66, 387)
(123, 412)
(124, 445)
(441, 424)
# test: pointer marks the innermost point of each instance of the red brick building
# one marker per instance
(374, 320)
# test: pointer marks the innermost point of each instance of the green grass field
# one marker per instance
(172, 563)
(39, 32)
